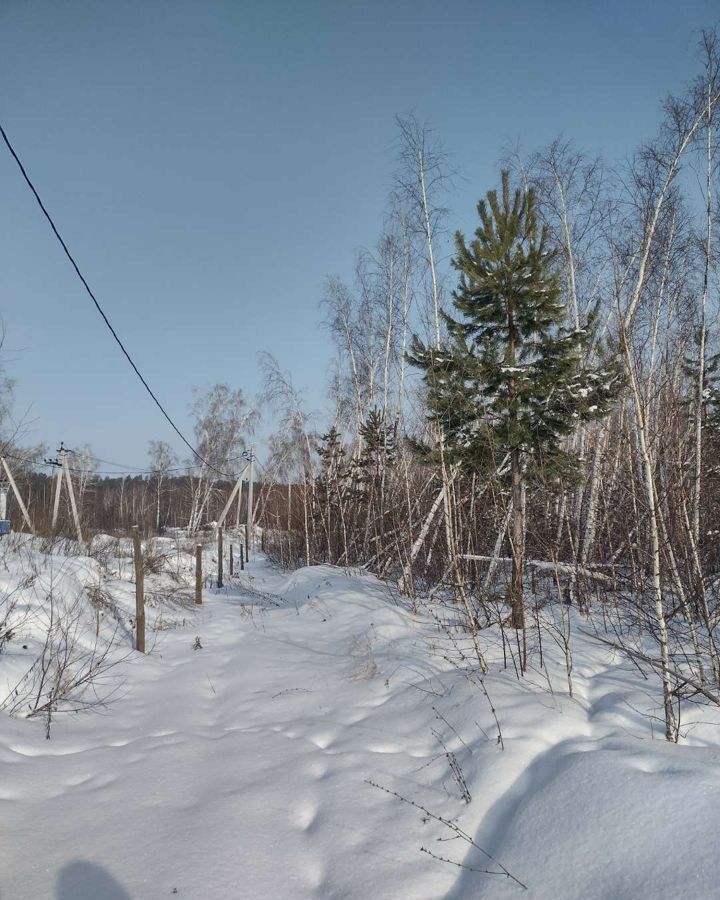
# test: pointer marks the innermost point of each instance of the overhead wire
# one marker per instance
(134, 471)
(99, 308)
(131, 472)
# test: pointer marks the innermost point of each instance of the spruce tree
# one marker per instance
(330, 485)
(369, 473)
(511, 380)
(378, 449)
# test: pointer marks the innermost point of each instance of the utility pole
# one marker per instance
(18, 496)
(63, 469)
(58, 483)
(239, 504)
(236, 491)
(73, 505)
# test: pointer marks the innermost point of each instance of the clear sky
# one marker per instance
(210, 163)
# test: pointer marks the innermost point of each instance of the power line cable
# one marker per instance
(100, 309)
(134, 470)
(130, 471)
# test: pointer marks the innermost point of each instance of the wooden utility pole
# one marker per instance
(220, 557)
(249, 522)
(139, 592)
(198, 575)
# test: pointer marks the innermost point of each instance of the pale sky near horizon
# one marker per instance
(210, 163)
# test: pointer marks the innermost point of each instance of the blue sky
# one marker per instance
(210, 163)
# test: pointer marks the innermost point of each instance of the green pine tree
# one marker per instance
(511, 379)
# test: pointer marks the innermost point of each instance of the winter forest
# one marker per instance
(456, 635)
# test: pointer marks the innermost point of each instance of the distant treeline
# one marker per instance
(114, 505)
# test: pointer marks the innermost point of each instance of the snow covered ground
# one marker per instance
(241, 769)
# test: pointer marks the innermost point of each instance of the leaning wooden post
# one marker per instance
(198, 575)
(231, 560)
(139, 592)
(220, 558)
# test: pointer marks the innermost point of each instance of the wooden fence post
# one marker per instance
(220, 558)
(249, 529)
(231, 560)
(139, 592)
(198, 574)
(242, 558)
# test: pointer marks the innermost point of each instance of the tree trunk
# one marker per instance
(517, 549)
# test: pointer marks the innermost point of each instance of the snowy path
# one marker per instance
(239, 770)
(236, 770)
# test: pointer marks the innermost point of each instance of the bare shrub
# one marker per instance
(153, 558)
(70, 674)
